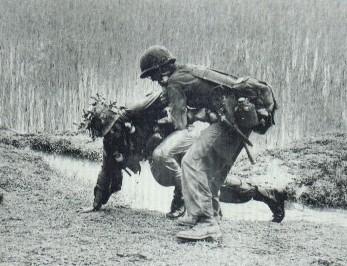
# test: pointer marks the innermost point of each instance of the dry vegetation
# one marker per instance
(55, 54)
(320, 165)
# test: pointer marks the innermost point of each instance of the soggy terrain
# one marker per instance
(41, 222)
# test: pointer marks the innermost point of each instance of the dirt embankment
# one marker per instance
(41, 224)
(65, 143)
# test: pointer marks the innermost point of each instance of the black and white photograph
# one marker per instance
(161, 132)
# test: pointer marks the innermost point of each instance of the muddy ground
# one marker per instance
(41, 224)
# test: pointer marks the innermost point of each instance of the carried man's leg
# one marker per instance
(236, 191)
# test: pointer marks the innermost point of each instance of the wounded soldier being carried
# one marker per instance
(137, 133)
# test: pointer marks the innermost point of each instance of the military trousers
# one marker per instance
(205, 167)
(166, 158)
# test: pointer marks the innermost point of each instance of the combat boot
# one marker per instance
(177, 205)
(274, 199)
(187, 220)
(177, 210)
(206, 227)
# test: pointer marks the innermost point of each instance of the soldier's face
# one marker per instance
(155, 76)
(160, 77)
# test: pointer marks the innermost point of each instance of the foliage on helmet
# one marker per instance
(100, 117)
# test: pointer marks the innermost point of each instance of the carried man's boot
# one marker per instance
(177, 205)
(274, 199)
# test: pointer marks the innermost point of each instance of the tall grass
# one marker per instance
(55, 54)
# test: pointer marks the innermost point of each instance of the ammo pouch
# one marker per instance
(245, 114)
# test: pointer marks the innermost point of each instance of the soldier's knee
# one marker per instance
(159, 155)
(162, 178)
(236, 191)
(237, 184)
(161, 175)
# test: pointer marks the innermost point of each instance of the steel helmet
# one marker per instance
(153, 58)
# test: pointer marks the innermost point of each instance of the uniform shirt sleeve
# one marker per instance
(142, 105)
(177, 104)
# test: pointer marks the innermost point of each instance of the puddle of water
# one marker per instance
(143, 192)
(84, 170)
(139, 191)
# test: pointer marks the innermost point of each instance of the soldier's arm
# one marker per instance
(177, 104)
(140, 106)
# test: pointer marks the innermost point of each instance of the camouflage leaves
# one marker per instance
(100, 116)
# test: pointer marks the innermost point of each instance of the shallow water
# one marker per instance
(138, 191)
(143, 192)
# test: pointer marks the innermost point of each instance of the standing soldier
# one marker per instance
(166, 170)
(210, 158)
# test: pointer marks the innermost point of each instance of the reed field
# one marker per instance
(54, 55)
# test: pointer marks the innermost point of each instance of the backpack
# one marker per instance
(256, 102)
